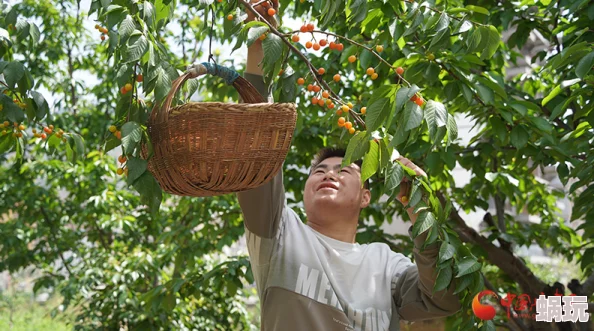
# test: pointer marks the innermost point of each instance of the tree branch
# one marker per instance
(506, 261)
(316, 76)
(50, 224)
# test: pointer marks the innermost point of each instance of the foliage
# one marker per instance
(146, 259)
(20, 312)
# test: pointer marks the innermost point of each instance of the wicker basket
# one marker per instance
(213, 148)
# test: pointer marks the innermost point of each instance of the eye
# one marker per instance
(318, 171)
(345, 170)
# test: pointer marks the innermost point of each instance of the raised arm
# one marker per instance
(414, 297)
(262, 207)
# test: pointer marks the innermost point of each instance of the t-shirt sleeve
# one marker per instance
(413, 294)
(263, 206)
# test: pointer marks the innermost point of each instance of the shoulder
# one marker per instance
(386, 255)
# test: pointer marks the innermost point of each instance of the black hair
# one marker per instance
(329, 152)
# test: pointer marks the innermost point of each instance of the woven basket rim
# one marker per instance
(237, 103)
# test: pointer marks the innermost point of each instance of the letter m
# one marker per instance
(307, 281)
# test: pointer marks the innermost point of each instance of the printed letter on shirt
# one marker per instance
(306, 281)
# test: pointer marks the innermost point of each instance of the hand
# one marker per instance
(405, 186)
(262, 8)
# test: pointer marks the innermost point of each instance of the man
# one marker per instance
(314, 276)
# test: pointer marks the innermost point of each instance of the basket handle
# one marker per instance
(194, 71)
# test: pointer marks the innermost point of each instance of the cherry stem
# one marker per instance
(311, 67)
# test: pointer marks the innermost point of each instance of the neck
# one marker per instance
(342, 230)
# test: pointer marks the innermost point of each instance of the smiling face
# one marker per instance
(330, 190)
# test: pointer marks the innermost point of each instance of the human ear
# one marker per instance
(365, 198)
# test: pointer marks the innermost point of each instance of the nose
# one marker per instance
(330, 174)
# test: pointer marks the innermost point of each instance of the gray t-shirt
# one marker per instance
(308, 281)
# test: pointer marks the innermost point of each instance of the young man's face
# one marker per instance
(330, 188)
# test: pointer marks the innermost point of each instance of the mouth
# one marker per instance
(327, 186)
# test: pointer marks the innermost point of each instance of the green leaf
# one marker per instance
(499, 128)
(488, 82)
(357, 147)
(377, 113)
(478, 9)
(255, 33)
(519, 136)
(421, 206)
(462, 283)
(358, 11)
(446, 251)
(474, 41)
(126, 28)
(415, 194)
(424, 222)
(110, 143)
(148, 13)
(413, 116)
(464, 26)
(436, 116)
(568, 54)
(488, 326)
(444, 278)
(443, 23)
(587, 258)
(370, 162)
(414, 74)
(162, 83)
(273, 48)
(131, 136)
(54, 142)
(150, 191)
(79, 146)
(439, 39)
(12, 112)
(493, 39)
(137, 46)
(385, 154)
(432, 72)
(42, 108)
(452, 130)
(542, 124)
(394, 177)
(34, 33)
(419, 18)
(467, 266)
(485, 93)
(168, 302)
(551, 95)
(136, 167)
(585, 65)
(13, 72)
(401, 98)
(6, 143)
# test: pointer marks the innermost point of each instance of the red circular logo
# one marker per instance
(484, 312)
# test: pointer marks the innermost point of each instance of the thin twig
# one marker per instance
(47, 219)
(311, 67)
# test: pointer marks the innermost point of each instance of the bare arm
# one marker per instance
(255, 52)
